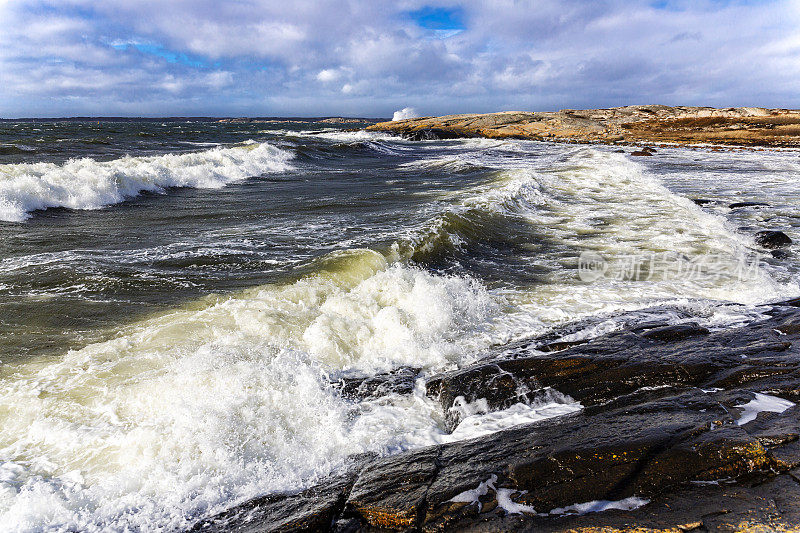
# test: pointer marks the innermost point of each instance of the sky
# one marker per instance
(372, 57)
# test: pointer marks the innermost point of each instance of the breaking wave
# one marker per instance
(187, 412)
(89, 184)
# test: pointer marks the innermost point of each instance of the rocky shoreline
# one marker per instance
(741, 126)
(682, 429)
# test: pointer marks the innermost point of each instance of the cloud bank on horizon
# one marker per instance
(367, 58)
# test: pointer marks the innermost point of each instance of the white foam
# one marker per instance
(598, 506)
(352, 136)
(503, 496)
(473, 495)
(446, 163)
(504, 501)
(592, 199)
(608, 204)
(189, 412)
(480, 421)
(89, 184)
(759, 404)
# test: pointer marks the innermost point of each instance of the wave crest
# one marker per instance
(90, 184)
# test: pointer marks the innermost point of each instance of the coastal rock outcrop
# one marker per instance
(746, 126)
(682, 428)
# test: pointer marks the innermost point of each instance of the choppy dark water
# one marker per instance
(175, 297)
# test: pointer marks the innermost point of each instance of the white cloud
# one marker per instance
(328, 74)
(236, 57)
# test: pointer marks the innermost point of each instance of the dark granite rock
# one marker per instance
(435, 134)
(641, 153)
(772, 239)
(400, 381)
(775, 429)
(310, 510)
(674, 333)
(644, 356)
(604, 455)
(391, 492)
(736, 205)
(771, 506)
(703, 201)
(560, 345)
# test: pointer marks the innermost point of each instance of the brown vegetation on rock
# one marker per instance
(748, 126)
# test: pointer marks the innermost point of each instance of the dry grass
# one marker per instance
(773, 120)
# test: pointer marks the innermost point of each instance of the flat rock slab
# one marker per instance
(310, 510)
(772, 506)
(596, 372)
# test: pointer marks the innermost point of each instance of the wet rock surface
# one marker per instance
(738, 205)
(664, 432)
(313, 509)
(772, 239)
(400, 381)
(703, 201)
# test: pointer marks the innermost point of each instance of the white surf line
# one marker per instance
(89, 184)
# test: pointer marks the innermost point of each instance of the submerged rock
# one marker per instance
(703, 201)
(400, 381)
(772, 239)
(736, 205)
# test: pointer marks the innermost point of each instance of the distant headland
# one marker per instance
(741, 126)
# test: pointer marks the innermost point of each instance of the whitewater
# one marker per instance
(88, 184)
(166, 356)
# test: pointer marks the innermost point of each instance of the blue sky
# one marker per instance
(370, 58)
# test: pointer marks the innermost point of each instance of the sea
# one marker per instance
(180, 300)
